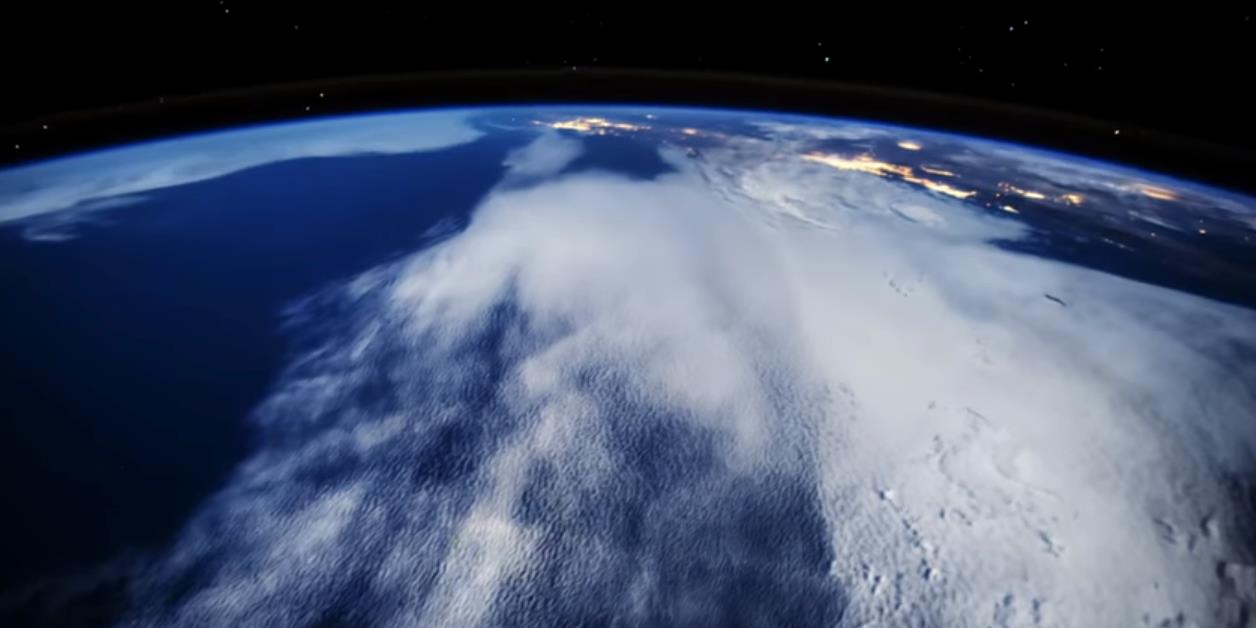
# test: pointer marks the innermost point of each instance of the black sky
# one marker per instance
(1188, 72)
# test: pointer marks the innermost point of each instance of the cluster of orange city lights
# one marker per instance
(868, 164)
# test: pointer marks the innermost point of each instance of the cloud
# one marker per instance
(84, 182)
(547, 155)
(755, 389)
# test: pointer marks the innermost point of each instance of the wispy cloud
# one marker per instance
(547, 155)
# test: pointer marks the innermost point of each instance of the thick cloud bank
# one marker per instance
(756, 391)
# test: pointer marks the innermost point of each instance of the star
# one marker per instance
(1116, 132)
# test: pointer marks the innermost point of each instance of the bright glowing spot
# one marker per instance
(861, 163)
(1030, 194)
(866, 164)
(1203, 232)
(1009, 209)
(689, 131)
(939, 187)
(1073, 199)
(909, 145)
(587, 125)
(1158, 193)
(937, 171)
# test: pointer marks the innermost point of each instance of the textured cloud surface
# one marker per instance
(754, 391)
(71, 183)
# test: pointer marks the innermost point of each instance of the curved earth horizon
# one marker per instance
(623, 365)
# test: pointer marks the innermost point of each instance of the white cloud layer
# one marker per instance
(545, 156)
(755, 389)
(70, 183)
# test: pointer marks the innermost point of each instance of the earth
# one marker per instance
(623, 366)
